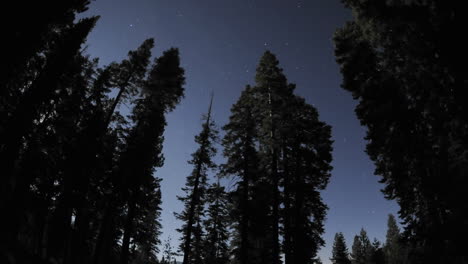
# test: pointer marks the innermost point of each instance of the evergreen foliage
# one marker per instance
(362, 249)
(403, 61)
(340, 253)
(192, 244)
(78, 176)
(216, 225)
(281, 154)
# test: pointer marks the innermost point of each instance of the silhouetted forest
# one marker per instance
(79, 175)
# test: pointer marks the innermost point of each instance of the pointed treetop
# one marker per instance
(209, 108)
(269, 72)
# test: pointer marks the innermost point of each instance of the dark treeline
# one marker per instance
(404, 62)
(279, 154)
(365, 251)
(77, 175)
(80, 144)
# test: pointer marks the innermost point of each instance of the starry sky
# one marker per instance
(221, 42)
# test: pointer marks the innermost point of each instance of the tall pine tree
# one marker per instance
(195, 189)
(281, 152)
(403, 61)
(216, 226)
(240, 151)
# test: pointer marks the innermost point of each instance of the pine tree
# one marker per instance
(162, 91)
(357, 253)
(168, 252)
(295, 150)
(306, 170)
(403, 62)
(141, 153)
(216, 249)
(20, 121)
(393, 249)
(148, 223)
(362, 249)
(281, 152)
(378, 256)
(196, 187)
(70, 160)
(340, 251)
(18, 127)
(271, 86)
(40, 23)
(242, 161)
(129, 75)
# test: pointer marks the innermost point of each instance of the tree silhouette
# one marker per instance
(402, 62)
(196, 187)
(340, 253)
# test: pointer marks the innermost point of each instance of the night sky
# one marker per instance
(221, 42)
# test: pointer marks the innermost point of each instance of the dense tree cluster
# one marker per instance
(81, 142)
(404, 63)
(364, 252)
(77, 175)
(281, 153)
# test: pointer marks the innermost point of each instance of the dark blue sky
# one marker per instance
(221, 42)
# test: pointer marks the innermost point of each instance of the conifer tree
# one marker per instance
(340, 253)
(378, 256)
(129, 75)
(141, 153)
(271, 87)
(280, 151)
(216, 249)
(357, 253)
(362, 249)
(34, 33)
(73, 181)
(403, 62)
(306, 170)
(20, 124)
(195, 189)
(20, 121)
(168, 252)
(162, 91)
(242, 161)
(296, 151)
(394, 248)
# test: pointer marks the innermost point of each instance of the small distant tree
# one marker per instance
(394, 250)
(340, 251)
(362, 250)
(378, 256)
(168, 252)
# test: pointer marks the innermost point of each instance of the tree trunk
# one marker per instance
(193, 203)
(298, 243)
(245, 215)
(128, 228)
(288, 256)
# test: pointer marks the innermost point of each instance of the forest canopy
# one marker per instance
(81, 145)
